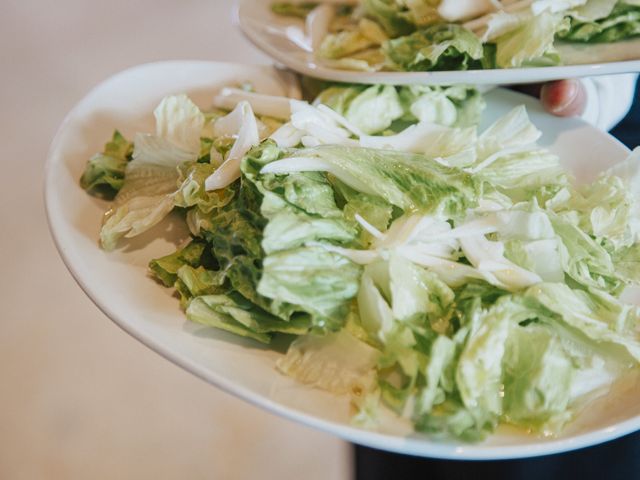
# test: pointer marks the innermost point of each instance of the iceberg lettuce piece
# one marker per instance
(480, 369)
(372, 110)
(538, 377)
(595, 315)
(418, 292)
(513, 130)
(335, 362)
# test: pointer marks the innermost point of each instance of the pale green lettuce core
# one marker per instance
(414, 263)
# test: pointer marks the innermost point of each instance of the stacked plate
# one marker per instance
(119, 284)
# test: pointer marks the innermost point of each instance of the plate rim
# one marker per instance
(404, 445)
(502, 76)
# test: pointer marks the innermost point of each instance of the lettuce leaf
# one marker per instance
(439, 47)
(151, 178)
(107, 169)
(293, 9)
(379, 108)
(538, 375)
(336, 362)
(371, 109)
(166, 268)
(410, 182)
(395, 19)
(596, 316)
(366, 35)
(623, 22)
(237, 315)
(524, 39)
(321, 282)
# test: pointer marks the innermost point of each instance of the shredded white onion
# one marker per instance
(262, 104)
(241, 122)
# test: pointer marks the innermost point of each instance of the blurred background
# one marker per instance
(79, 398)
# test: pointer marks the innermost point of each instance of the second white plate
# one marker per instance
(276, 36)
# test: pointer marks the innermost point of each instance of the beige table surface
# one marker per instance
(79, 398)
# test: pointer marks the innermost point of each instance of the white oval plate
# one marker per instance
(273, 34)
(119, 284)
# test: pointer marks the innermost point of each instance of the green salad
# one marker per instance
(429, 35)
(454, 276)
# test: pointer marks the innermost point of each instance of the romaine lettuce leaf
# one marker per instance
(524, 38)
(410, 182)
(621, 23)
(293, 9)
(288, 230)
(166, 268)
(439, 47)
(108, 168)
(191, 191)
(237, 315)
(395, 19)
(374, 210)
(197, 281)
(365, 35)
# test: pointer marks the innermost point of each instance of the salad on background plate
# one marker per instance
(399, 41)
(454, 276)
(432, 35)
